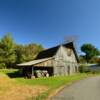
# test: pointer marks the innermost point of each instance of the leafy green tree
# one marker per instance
(12, 53)
(7, 53)
(90, 51)
(82, 59)
(19, 51)
(27, 52)
(31, 51)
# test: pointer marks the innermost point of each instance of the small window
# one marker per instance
(69, 52)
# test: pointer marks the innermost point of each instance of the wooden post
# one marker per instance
(32, 71)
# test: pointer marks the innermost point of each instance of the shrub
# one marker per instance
(83, 68)
(2, 65)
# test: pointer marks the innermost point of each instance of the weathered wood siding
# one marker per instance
(64, 64)
(48, 63)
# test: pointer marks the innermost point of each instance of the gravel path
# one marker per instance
(87, 89)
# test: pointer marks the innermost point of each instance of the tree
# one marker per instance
(19, 51)
(7, 53)
(31, 51)
(90, 51)
(82, 59)
(27, 52)
(12, 53)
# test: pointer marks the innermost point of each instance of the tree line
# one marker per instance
(12, 53)
(91, 54)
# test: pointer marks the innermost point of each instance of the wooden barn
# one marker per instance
(59, 60)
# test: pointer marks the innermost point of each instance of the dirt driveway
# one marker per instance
(87, 89)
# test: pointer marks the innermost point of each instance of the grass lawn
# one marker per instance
(52, 83)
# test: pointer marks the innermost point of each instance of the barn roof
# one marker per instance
(30, 63)
(48, 54)
(52, 51)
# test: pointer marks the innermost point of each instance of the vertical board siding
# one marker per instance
(64, 64)
(45, 63)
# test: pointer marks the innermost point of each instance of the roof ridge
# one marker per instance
(57, 46)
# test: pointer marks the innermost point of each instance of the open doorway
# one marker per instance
(68, 70)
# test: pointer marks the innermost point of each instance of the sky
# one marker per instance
(47, 22)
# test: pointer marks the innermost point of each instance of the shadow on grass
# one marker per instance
(15, 74)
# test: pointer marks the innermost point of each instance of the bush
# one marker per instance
(83, 68)
(2, 65)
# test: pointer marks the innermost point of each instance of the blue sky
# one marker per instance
(47, 22)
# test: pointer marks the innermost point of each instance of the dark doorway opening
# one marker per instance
(76, 69)
(27, 71)
(68, 70)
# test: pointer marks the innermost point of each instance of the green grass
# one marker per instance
(5, 71)
(52, 83)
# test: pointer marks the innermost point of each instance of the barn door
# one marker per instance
(68, 70)
(76, 69)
